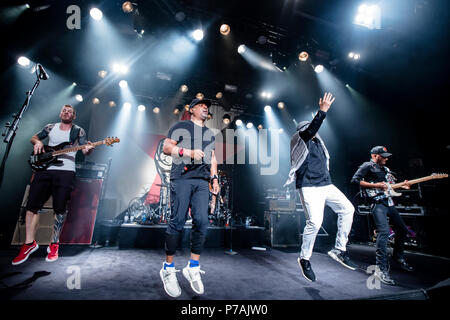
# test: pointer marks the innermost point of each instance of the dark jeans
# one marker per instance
(380, 213)
(185, 193)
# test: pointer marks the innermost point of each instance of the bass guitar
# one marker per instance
(42, 161)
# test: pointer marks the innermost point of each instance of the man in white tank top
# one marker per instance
(57, 181)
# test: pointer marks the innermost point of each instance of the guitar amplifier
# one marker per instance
(282, 228)
(280, 204)
(91, 170)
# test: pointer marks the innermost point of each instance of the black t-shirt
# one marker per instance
(189, 135)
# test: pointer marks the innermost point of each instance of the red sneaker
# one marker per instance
(25, 252)
(52, 252)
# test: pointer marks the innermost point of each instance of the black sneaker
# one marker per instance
(404, 265)
(384, 277)
(342, 258)
(307, 271)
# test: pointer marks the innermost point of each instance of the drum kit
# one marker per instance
(141, 212)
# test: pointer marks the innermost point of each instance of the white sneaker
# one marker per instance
(192, 274)
(170, 282)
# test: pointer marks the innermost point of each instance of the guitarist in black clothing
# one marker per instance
(57, 181)
(374, 174)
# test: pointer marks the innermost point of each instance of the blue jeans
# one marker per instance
(380, 213)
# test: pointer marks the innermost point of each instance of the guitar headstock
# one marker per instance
(109, 141)
(439, 175)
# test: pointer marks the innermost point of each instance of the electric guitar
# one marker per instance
(378, 194)
(41, 161)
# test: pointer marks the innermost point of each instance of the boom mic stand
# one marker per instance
(11, 128)
(231, 252)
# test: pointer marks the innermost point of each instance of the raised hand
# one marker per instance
(325, 103)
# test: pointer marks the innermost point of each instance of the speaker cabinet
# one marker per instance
(282, 228)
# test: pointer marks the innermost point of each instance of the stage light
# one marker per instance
(112, 104)
(225, 29)
(260, 127)
(156, 110)
(127, 7)
(268, 95)
(226, 119)
(318, 68)
(357, 56)
(351, 55)
(184, 88)
(280, 105)
(96, 14)
(267, 108)
(303, 56)
(123, 84)
(219, 95)
(79, 97)
(197, 34)
(280, 130)
(242, 48)
(176, 111)
(23, 61)
(368, 16)
(102, 73)
(141, 107)
(186, 107)
(120, 68)
(199, 95)
(249, 125)
(239, 122)
(74, 84)
(96, 101)
(127, 106)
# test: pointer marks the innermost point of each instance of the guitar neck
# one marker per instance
(398, 185)
(74, 149)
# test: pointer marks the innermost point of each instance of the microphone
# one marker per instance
(42, 74)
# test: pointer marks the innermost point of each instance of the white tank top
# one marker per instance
(57, 136)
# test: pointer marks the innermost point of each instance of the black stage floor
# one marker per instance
(110, 273)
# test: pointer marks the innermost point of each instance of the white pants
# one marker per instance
(314, 200)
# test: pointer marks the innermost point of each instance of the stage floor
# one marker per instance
(110, 273)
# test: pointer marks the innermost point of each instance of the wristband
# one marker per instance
(214, 177)
(180, 152)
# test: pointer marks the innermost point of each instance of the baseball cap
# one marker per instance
(382, 151)
(198, 101)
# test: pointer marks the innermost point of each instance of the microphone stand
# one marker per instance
(11, 128)
(231, 252)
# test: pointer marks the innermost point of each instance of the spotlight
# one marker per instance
(176, 111)
(186, 107)
(156, 110)
(199, 96)
(96, 14)
(242, 48)
(184, 88)
(225, 29)
(127, 7)
(197, 34)
(357, 56)
(226, 119)
(123, 84)
(239, 122)
(141, 107)
(23, 61)
(318, 68)
(96, 101)
(120, 68)
(267, 108)
(249, 125)
(368, 16)
(303, 56)
(74, 84)
(280, 130)
(102, 73)
(79, 97)
(260, 127)
(280, 105)
(127, 106)
(112, 104)
(219, 95)
(351, 55)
